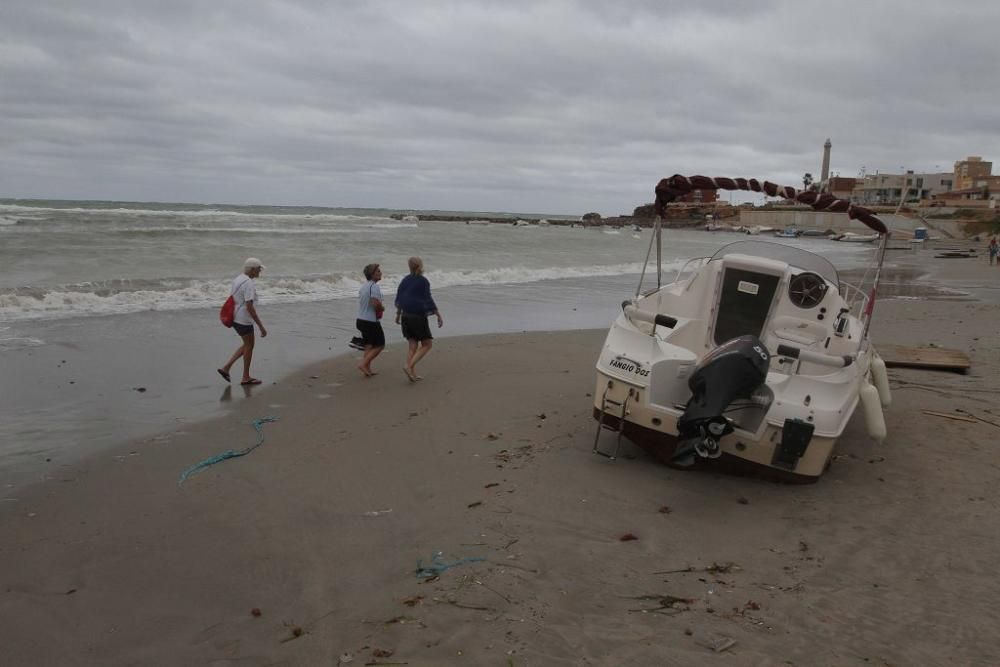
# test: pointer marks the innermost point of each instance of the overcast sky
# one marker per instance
(489, 105)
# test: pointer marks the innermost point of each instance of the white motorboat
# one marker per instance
(851, 237)
(756, 356)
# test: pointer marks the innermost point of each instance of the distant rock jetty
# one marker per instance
(677, 216)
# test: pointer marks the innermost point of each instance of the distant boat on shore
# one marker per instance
(851, 237)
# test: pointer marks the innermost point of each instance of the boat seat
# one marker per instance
(797, 330)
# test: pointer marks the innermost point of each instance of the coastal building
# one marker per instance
(970, 170)
(841, 187)
(888, 189)
(698, 197)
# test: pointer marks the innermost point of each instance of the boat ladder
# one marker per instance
(621, 408)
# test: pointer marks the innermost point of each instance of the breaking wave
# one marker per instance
(116, 297)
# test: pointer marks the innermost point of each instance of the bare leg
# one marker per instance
(248, 342)
(241, 352)
(366, 361)
(420, 353)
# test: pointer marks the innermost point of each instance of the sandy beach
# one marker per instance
(464, 520)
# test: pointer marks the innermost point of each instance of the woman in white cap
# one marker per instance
(245, 295)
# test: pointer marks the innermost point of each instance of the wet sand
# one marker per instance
(887, 560)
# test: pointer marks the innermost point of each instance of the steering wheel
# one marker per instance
(806, 290)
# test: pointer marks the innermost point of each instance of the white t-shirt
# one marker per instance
(243, 290)
(368, 291)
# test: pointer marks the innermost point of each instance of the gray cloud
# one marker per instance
(548, 106)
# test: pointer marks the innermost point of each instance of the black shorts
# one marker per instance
(371, 333)
(243, 329)
(415, 327)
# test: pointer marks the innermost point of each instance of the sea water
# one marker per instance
(108, 310)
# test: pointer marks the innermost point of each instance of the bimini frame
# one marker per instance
(669, 189)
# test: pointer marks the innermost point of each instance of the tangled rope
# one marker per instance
(669, 189)
(258, 425)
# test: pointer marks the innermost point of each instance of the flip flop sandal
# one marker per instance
(224, 374)
(250, 381)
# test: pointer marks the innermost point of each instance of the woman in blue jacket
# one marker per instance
(413, 306)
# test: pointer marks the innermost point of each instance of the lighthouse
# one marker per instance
(825, 171)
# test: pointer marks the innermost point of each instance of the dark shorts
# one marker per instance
(415, 327)
(371, 333)
(243, 329)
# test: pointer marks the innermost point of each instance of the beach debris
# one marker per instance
(345, 659)
(753, 606)
(628, 537)
(413, 600)
(947, 415)
(491, 485)
(743, 500)
(475, 504)
(461, 605)
(492, 436)
(665, 510)
(377, 512)
(382, 653)
(977, 417)
(70, 591)
(714, 568)
(667, 604)
(296, 632)
(438, 566)
(717, 643)
(541, 415)
(255, 612)
(139, 389)
(258, 425)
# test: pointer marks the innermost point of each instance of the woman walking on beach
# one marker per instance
(413, 306)
(993, 250)
(244, 295)
(370, 311)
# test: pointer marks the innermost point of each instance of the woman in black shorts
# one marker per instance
(370, 311)
(413, 306)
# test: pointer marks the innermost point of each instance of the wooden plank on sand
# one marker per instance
(930, 358)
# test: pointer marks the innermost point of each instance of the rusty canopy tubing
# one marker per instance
(668, 189)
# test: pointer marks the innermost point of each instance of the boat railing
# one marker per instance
(856, 299)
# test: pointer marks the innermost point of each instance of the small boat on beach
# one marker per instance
(755, 357)
(851, 237)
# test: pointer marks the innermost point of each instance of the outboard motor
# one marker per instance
(731, 371)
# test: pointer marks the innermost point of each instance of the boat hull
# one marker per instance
(655, 431)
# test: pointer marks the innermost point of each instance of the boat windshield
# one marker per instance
(797, 257)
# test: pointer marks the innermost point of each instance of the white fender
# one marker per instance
(880, 377)
(872, 406)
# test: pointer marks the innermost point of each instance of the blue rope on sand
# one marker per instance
(229, 454)
(439, 567)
